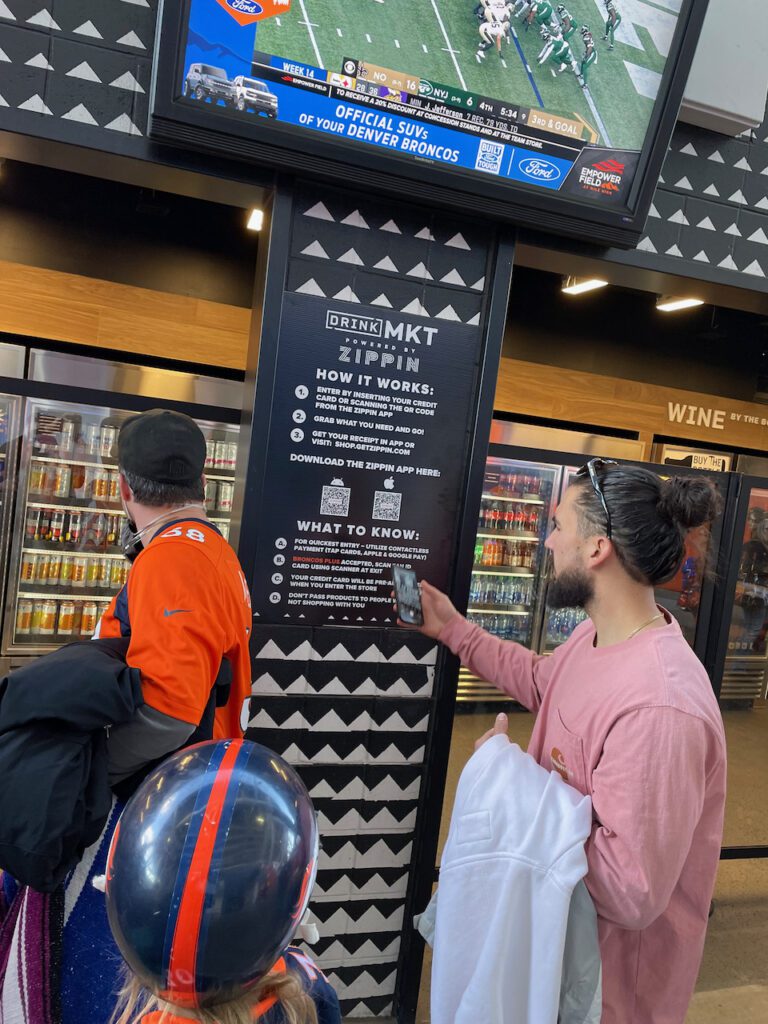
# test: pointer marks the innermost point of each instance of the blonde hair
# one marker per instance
(134, 1001)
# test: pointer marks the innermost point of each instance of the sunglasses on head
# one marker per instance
(592, 468)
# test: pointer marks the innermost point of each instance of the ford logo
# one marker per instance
(538, 169)
(245, 6)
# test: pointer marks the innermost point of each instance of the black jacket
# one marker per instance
(54, 789)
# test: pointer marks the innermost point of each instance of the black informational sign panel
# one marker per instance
(365, 460)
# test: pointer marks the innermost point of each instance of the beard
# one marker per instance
(572, 588)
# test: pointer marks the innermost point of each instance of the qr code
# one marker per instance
(335, 501)
(489, 156)
(386, 505)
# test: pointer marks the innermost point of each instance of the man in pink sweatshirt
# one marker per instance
(626, 714)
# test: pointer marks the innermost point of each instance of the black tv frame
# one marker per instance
(287, 149)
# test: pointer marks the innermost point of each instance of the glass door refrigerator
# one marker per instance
(742, 645)
(66, 562)
(506, 591)
(509, 598)
(9, 439)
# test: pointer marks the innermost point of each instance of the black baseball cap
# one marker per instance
(161, 445)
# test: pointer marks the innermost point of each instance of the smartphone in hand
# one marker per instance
(407, 596)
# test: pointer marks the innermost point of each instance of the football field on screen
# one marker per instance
(438, 40)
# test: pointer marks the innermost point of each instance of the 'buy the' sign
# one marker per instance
(246, 12)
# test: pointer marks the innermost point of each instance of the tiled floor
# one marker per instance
(733, 982)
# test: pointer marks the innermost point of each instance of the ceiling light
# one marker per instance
(669, 303)
(579, 285)
(255, 219)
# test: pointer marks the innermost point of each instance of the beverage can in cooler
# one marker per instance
(54, 570)
(116, 572)
(92, 440)
(44, 524)
(66, 623)
(231, 455)
(226, 493)
(101, 485)
(67, 436)
(57, 526)
(65, 572)
(210, 454)
(113, 528)
(94, 572)
(62, 478)
(89, 483)
(30, 523)
(107, 438)
(79, 571)
(104, 574)
(36, 477)
(28, 567)
(90, 618)
(74, 528)
(211, 493)
(220, 456)
(47, 618)
(24, 617)
(37, 614)
(224, 530)
(42, 568)
(78, 480)
(114, 485)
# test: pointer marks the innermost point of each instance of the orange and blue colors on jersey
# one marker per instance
(185, 607)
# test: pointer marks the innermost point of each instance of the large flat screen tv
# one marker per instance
(555, 116)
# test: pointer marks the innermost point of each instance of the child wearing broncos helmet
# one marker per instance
(208, 876)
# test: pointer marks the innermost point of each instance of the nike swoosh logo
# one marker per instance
(175, 611)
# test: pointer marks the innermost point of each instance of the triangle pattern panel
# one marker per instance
(374, 883)
(300, 747)
(395, 782)
(405, 256)
(353, 714)
(352, 1009)
(362, 852)
(358, 917)
(345, 816)
(377, 947)
(349, 680)
(301, 643)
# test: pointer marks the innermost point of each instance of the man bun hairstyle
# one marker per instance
(688, 500)
(649, 516)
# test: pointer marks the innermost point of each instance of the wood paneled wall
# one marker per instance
(35, 302)
(572, 396)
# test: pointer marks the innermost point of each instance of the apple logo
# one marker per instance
(389, 483)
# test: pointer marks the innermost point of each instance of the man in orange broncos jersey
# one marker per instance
(185, 608)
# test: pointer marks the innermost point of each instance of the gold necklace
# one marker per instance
(653, 618)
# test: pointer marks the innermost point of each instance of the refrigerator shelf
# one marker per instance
(509, 497)
(496, 534)
(91, 461)
(497, 611)
(114, 510)
(104, 594)
(497, 571)
(62, 549)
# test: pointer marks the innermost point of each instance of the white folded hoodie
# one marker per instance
(515, 852)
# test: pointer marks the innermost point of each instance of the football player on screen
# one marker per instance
(541, 13)
(589, 58)
(557, 51)
(612, 21)
(567, 21)
(491, 34)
